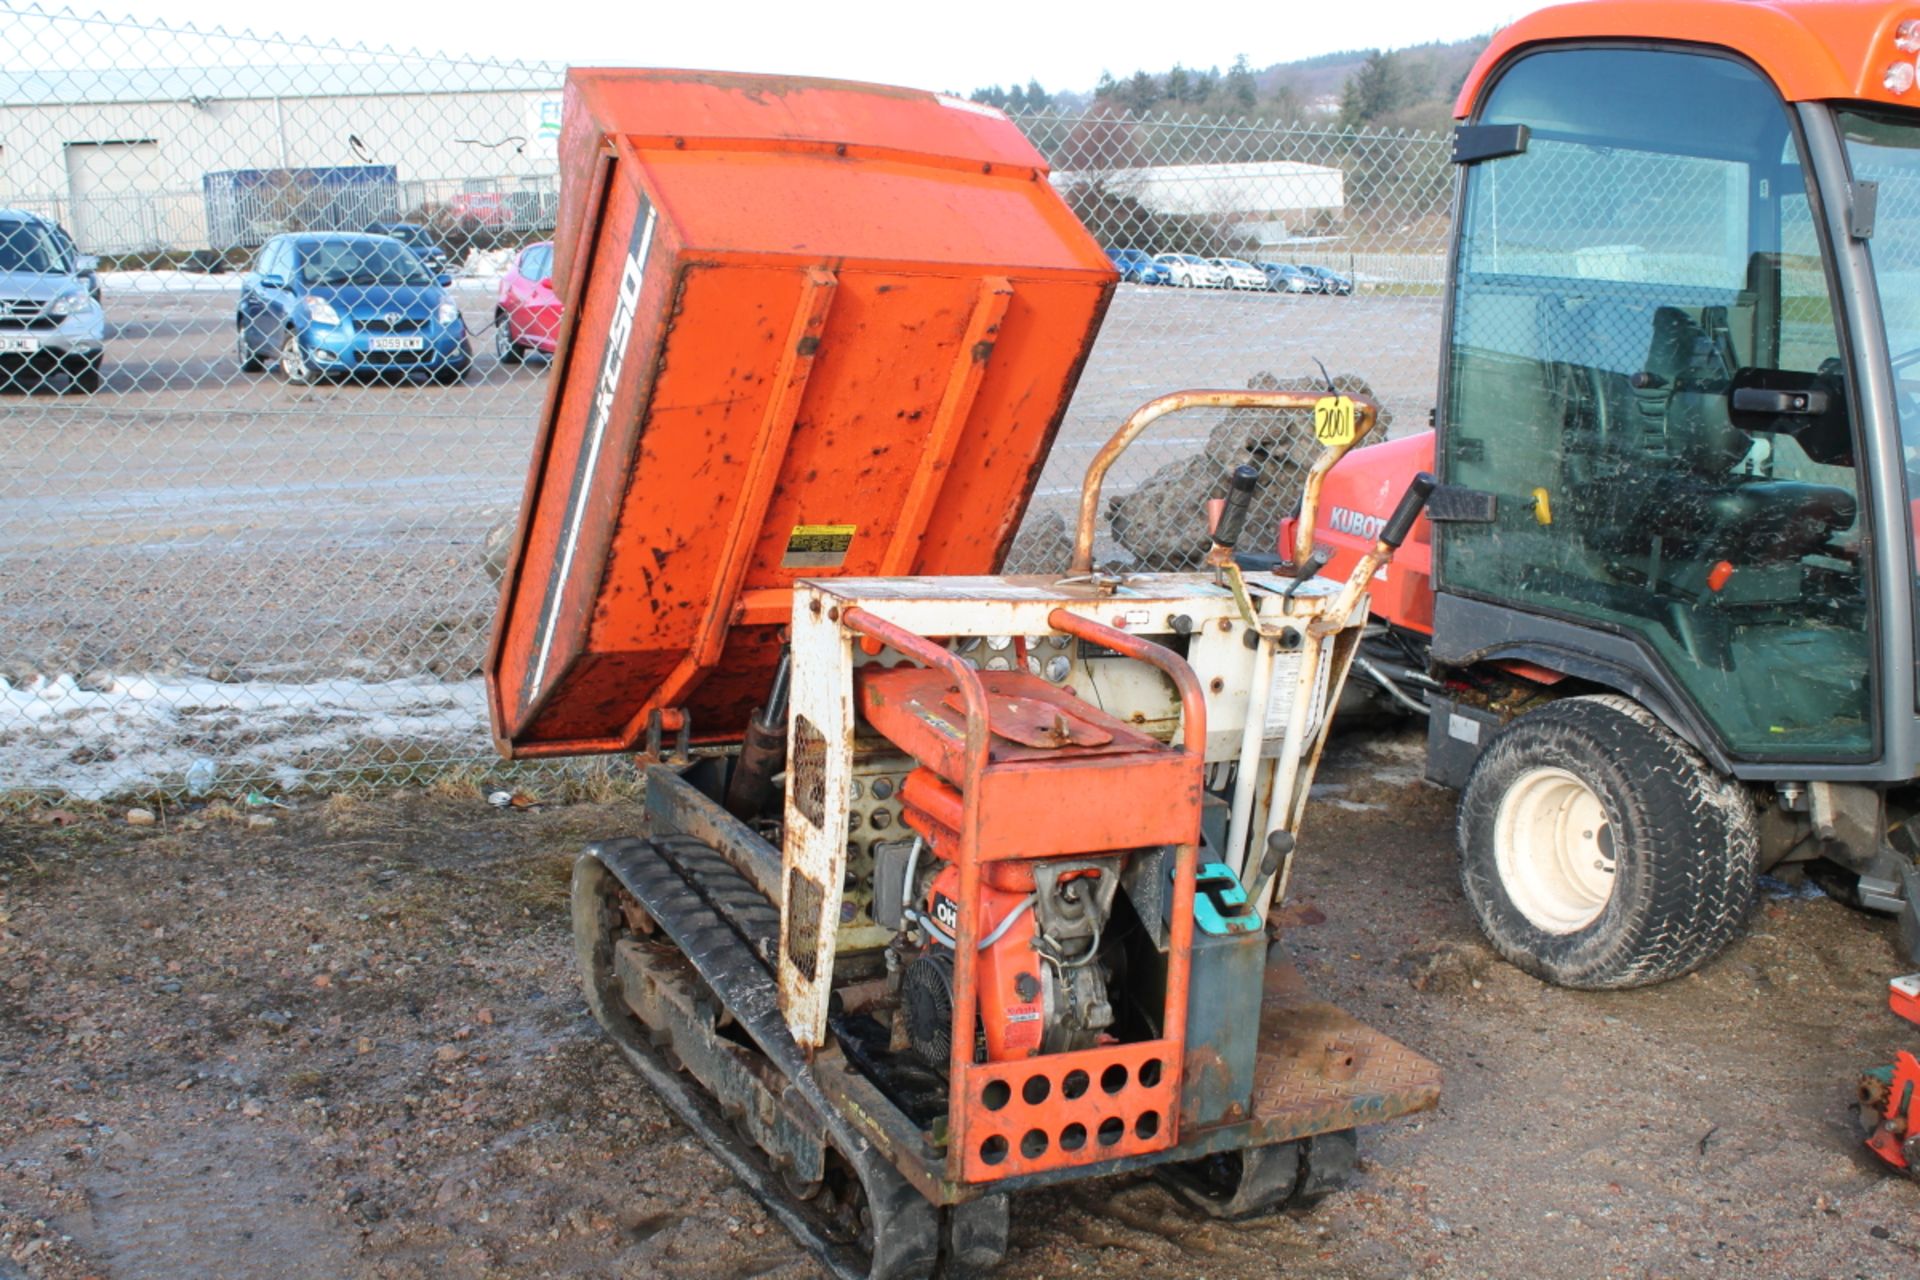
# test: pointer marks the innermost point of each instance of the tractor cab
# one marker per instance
(1678, 436)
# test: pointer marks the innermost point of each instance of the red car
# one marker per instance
(526, 318)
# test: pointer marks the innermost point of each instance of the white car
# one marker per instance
(1240, 275)
(1191, 270)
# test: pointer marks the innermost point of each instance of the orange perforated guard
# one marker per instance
(1005, 802)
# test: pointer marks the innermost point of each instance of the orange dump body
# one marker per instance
(812, 329)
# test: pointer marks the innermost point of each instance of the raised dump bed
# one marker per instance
(813, 330)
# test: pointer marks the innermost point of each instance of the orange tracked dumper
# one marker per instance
(952, 884)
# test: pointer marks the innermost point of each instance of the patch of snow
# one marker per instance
(128, 733)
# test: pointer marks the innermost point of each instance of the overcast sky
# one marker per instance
(915, 42)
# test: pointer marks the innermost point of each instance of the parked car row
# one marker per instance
(312, 305)
(1192, 271)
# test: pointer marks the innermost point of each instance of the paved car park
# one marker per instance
(301, 529)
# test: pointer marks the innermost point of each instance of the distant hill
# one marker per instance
(1411, 88)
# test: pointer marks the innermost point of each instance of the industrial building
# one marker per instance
(122, 156)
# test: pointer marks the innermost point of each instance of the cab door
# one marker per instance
(1638, 287)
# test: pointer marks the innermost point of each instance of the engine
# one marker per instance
(1042, 986)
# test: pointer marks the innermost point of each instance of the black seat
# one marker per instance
(1760, 521)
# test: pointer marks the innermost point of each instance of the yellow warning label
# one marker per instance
(818, 546)
(1333, 421)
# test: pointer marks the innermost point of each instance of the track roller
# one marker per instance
(1259, 1180)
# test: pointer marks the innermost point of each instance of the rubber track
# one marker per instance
(1697, 902)
(741, 904)
(748, 992)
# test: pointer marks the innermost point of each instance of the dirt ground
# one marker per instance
(350, 1044)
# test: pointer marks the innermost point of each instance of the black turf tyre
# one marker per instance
(1683, 840)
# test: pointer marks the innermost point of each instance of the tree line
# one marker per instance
(1410, 88)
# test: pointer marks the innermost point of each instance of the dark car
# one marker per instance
(1331, 281)
(323, 303)
(1138, 267)
(415, 237)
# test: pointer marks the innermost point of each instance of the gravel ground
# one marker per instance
(349, 1044)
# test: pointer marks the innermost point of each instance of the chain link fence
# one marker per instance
(234, 547)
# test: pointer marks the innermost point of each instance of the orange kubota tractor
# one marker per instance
(951, 884)
(1661, 613)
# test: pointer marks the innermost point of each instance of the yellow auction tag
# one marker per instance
(1333, 421)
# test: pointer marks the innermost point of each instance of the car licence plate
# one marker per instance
(10, 345)
(394, 344)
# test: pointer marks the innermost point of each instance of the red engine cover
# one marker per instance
(1009, 970)
(1355, 500)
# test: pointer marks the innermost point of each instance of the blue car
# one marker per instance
(318, 304)
(1138, 267)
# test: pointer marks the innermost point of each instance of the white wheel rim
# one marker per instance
(1553, 850)
(502, 338)
(292, 363)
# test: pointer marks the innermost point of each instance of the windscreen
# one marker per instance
(359, 262)
(26, 246)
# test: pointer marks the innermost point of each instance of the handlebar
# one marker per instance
(1143, 417)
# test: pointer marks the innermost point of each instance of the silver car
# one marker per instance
(49, 319)
(1190, 270)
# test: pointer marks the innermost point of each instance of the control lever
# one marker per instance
(1392, 534)
(1233, 518)
(1306, 569)
(1279, 849)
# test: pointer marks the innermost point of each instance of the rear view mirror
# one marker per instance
(273, 282)
(445, 279)
(1810, 407)
(546, 282)
(86, 266)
